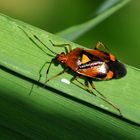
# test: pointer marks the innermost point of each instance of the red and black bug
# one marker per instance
(92, 64)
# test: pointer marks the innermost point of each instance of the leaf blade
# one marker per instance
(74, 32)
(23, 59)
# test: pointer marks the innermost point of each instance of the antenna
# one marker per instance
(38, 40)
(45, 45)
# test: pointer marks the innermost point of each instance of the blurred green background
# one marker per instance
(120, 32)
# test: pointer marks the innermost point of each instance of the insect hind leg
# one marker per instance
(84, 85)
(101, 46)
(103, 97)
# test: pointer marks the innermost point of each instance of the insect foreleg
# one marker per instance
(39, 77)
(49, 68)
(62, 45)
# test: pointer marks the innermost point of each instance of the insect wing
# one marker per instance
(97, 55)
(94, 69)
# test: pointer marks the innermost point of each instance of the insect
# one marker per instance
(92, 64)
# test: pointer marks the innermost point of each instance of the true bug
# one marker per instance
(93, 64)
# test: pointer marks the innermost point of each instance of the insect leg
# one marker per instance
(100, 45)
(86, 87)
(93, 86)
(65, 70)
(34, 41)
(62, 45)
(103, 97)
(44, 45)
(49, 67)
(39, 77)
(114, 106)
(55, 45)
(31, 89)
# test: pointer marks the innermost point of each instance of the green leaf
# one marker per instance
(106, 5)
(61, 110)
(72, 33)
